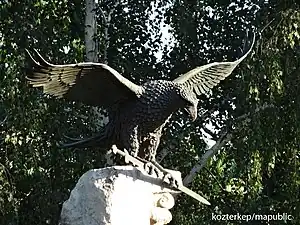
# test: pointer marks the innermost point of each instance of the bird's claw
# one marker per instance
(127, 159)
(151, 169)
(114, 149)
(124, 153)
(171, 180)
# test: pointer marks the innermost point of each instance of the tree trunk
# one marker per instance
(91, 32)
(91, 55)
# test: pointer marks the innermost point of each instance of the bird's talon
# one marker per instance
(156, 171)
(126, 159)
(151, 169)
(170, 179)
(147, 168)
(114, 149)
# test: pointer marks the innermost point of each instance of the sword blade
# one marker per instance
(140, 164)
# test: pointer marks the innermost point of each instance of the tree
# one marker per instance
(255, 168)
(36, 176)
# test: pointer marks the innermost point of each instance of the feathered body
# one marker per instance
(137, 125)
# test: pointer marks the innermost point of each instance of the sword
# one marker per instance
(135, 162)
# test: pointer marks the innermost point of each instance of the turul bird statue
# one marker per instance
(137, 113)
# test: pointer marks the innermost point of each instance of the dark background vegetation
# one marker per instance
(257, 171)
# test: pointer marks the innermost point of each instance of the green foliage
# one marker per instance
(36, 176)
(258, 171)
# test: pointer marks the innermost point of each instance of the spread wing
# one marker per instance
(94, 84)
(203, 78)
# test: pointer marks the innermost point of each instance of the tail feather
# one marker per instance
(99, 140)
(72, 138)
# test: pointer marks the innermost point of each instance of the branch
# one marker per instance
(3, 121)
(162, 154)
(209, 132)
(207, 114)
(107, 20)
(225, 137)
(111, 11)
(216, 179)
(258, 109)
(103, 15)
(268, 24)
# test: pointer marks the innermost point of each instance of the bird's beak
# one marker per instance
(192, 111)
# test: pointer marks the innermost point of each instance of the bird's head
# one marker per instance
(191, 103)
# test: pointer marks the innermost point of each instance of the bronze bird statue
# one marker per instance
(137, 113)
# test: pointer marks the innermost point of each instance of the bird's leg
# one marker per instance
(135, 147)
(134, 142)
(151, 166)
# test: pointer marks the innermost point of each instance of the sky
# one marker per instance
(169, 40)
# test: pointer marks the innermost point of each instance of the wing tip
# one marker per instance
(41, 59)
(249, 50)
(184, 78)
(37, 58)
(36, 63)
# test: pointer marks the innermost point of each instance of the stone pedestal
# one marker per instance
(118, 195)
